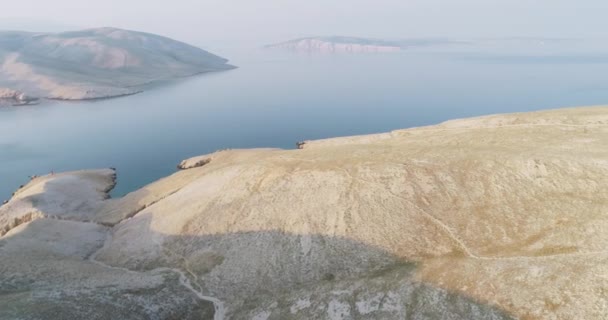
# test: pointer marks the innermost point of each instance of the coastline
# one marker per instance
(143, 87)
(95, 98)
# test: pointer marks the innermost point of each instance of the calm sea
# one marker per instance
(276, 99)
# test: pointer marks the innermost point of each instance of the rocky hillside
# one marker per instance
(96, 63)
(498, 217)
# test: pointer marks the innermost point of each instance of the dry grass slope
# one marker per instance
(496, 217)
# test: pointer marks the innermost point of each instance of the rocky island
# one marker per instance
(339, 44)
(497, 217)
(93, 64)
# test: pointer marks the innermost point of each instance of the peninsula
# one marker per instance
(93, 64)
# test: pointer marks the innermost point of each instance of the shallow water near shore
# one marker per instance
(276, 99)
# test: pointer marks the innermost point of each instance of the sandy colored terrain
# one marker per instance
(498, 217)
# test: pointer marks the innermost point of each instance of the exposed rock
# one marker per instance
(193, 163)
(239, 154)
(496, 217)
(96, 63)
(46, 273)
(67, 196)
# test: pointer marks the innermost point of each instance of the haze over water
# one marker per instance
(275, 99)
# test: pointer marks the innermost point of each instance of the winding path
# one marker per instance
(220, 311)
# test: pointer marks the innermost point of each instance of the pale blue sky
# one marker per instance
(218, 22)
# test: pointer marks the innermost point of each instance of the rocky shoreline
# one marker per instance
(96, 98)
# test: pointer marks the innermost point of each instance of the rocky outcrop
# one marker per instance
(65, 196)
(499, 217)
(96, 63)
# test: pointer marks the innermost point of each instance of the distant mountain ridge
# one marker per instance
(96, 63)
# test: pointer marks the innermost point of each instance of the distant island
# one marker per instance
(337, 44)
(93, 64)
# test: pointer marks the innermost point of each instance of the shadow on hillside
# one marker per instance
(267, 274)
(279, 275)
(46, 272)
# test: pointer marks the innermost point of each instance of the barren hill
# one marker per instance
(95, 63)
(340, 44)
(497, 217)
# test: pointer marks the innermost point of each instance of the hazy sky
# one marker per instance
(223, 22)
